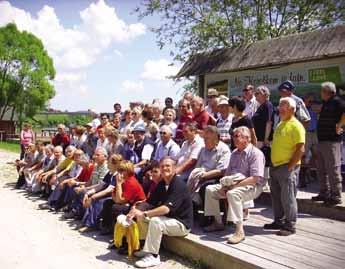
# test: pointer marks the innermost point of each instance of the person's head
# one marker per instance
(126, 168)
(167, 168)
(237, 104)
(157, 109)
(40, 146)
(153, 172)
(169, 115)
(117, 108)
(197, 105)
(79, 130)
(242, 137)
(61, 128)
(165, 133)
(183, 106)
(211, 137)
(88, 128)
(112, 135)
(223, 107)
(26, 126)
(84, 160)
(248, 92)
(49, 150)
(114, 161)
(116, 120)
(69, 152)
(100, 155)
(168, 102)
(77, 154)
(58, 151)
(286, 88)
(104, 119)
(211, 94)
(147, 116)
(31, 148)
(309, 99)
(127, 115)
(188, 96)
(328, 90)
(287, 108)
(136, 113)
(139, 133)
(262, 94)
(101, 133)
(189, 131)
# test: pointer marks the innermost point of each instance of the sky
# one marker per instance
(102, 52)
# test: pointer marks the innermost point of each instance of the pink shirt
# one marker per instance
(26, 137)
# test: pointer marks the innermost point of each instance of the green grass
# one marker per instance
(13, 147)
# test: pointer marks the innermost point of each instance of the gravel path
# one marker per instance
(31, 238)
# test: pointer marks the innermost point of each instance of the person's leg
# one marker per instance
(212, 208)
(321, 172)
(275, 188)
(106, 214)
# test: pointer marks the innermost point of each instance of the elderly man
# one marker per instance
(170, 213)
(329, 131)
(185, 116)
(224, 120)
(286, 90)
(212, 162)
(287, 151)
(166, 146)
(200, 115)
(251, 103)
(61, 138)
(249, 161)
(188, 155)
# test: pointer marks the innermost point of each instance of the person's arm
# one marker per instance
(267, 132)
(119, 199)
(215, 173)
(253, 135)
(340, 124)
(103, 193)
(188, 164)
(297, 156)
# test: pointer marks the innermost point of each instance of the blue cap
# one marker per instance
(287, 85)
(139, 128)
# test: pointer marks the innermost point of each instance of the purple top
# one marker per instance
(249, 162)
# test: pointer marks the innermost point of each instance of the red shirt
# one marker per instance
(202, 119)
(132, 191)
(86, 173)
(184, 119)
(61, 140)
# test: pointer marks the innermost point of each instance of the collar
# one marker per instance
(247, 149)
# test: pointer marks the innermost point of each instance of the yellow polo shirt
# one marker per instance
(65, 164)
(286, 136)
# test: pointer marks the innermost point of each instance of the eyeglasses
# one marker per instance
(237, 135)
(246, 90)
(211, 96)
(104, 118)
(163, 133)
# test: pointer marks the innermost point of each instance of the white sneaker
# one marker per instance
(148, 261)
(140, 254)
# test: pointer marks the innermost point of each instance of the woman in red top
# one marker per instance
(127, 192)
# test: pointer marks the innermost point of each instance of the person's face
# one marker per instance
(117, 108)
(104, 120)
(57, 154)
(130, 138)
(99, 157)
(76, 156)
(196, 107)
(135, 115)
(101, 134)
(247, 93)
(284, 93)
(116, 120)
(156, 111)
(309, 100)
(60, 130)
(165, 136)
(210, 140)
(138, 136)
(183, 108)
(188, 134)
(167, 169)
(49, 153)
(240, 140)
(325, 95)
(32, 148)
(168, 103)
(156, 174)
(69, 153)
(285, 111)
(210, 98)
(112, 166)
(224, 110)
(168, 116)
(260, 97)
(41, 148)
(128, 117)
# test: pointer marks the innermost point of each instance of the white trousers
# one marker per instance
(154, 229)
(235, 197)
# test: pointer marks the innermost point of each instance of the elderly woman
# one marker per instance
(262, 118)
(79, 136)
(169, 117)
(102, 139)
(115, 145)
(127, 192)
(157, 112)
(126, 122)
(136, 117)
(151, 127)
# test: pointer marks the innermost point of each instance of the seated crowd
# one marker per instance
(151, 170)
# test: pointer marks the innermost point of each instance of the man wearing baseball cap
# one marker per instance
(286, 90)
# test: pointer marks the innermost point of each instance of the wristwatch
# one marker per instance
(145, 214)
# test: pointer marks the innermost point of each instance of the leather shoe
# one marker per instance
(273, 226)
(214, 227)
(286, 232)
(319, 198)
(44, 206)
(332, 201)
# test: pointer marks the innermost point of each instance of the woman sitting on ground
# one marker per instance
(127, 192)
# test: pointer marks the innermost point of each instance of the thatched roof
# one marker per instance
(316, 45)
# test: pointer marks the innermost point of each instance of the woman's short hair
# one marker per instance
(263, 90)
(112, 132)
(115, 159)
(84, 158)
(126, 167)
(137, 110)
(79, 130)
(172, 111)
(329, 86)
(237, 102)
(50, 147)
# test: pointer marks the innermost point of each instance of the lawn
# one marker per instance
(13, 147)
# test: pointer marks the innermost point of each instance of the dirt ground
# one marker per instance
(32, 238)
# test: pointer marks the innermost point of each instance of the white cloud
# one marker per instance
(132, 86)
(118, 53)
(158, 70)
(71, 77)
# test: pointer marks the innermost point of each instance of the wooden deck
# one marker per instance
(318, 243)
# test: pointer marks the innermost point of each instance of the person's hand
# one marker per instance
(71, 182)
(338, 129)
(44, 179)
(120, 178)
(223, 190)
(266, 142)
(86, 202)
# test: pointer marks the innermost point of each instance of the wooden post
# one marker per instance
(201, 86)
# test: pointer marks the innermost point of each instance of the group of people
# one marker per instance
(153, 168)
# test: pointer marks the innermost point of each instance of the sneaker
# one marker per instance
(85, 229)
(140, 254)
(273, 226)
(148, 261)
(214, 227)
(236, 238)
(286, 232)
(319, 198)
(332, 201)
(45, 206)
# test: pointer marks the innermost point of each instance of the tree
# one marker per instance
(26, 72)
(194, 26)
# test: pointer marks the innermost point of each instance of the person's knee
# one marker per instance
(155, 221)
(233, 195)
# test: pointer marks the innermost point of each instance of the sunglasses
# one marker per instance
(246, 90)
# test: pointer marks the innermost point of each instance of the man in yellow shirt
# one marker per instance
(286, 153)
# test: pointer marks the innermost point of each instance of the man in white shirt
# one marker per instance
(251, 103)
(166, 146)
(225, 120)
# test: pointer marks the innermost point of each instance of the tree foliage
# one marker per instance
(26, 72)
(193, 26)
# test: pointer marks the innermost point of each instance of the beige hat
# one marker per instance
(212, 92)
(223, 100)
